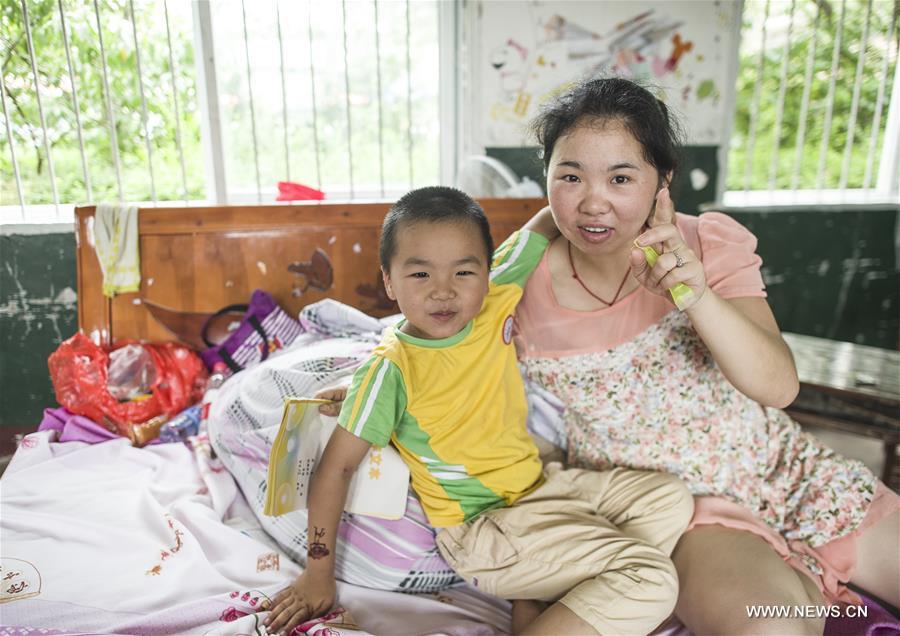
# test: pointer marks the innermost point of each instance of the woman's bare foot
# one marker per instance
(524, 612)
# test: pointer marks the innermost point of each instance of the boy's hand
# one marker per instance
(336, 394)
(309, 597)
(543, 223)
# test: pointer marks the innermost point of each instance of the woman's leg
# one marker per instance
(878, 560)
(722, 572)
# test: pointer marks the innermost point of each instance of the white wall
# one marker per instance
(519, 53)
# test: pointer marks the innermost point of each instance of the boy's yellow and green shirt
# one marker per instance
(455, 408)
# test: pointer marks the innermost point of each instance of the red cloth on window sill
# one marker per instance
(290, 191)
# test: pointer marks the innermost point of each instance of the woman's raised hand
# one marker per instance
(677, 262)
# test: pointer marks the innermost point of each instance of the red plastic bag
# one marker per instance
(80, 372)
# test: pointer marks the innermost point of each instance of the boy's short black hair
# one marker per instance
(432, 204)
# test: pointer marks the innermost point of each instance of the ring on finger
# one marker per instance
(679, 260)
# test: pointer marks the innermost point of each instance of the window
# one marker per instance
(342, 95)
(817, 103)
(63, 143)
(154, 101)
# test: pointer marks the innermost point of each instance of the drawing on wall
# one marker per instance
(551, 45)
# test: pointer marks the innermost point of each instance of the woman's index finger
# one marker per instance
(664, 211)
(665, 215)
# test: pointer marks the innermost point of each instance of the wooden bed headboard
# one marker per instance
(200, 259)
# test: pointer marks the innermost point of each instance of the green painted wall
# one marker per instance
(832, 274)
(37, 311)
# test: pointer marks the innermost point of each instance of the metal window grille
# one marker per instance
(155, 101)
(814, 82)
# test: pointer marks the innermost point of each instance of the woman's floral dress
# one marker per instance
(641, 390)
(660, 402)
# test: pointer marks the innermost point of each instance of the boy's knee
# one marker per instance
(659, 596)
(679, 498)
(635, 596)
(667, 579)
(647, 576)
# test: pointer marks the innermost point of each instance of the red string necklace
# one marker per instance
(585, 287)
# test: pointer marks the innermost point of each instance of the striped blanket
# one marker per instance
(395, 555)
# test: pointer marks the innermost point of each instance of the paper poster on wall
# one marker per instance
(533, 50)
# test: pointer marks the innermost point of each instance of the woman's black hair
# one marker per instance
(432, 204)
(612, 99)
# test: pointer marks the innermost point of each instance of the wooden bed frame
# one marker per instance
(200, 259)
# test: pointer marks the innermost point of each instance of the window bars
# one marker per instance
(266, 110)
(829, 115)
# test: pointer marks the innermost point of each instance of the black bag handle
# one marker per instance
(254, 322)
(226, 357)
(223, 310)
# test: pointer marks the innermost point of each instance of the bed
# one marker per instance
(109, 538)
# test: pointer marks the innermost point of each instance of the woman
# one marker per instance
(780, 519)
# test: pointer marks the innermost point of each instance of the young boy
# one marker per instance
(444, 387)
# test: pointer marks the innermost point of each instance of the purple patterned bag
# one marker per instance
(264, 329)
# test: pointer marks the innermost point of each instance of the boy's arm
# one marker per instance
(314, 592)
(543, 224)
(518, 256)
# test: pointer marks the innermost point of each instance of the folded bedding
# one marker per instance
(396, 555)
(112, 539)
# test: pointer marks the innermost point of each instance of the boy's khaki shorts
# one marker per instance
(598, 542)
